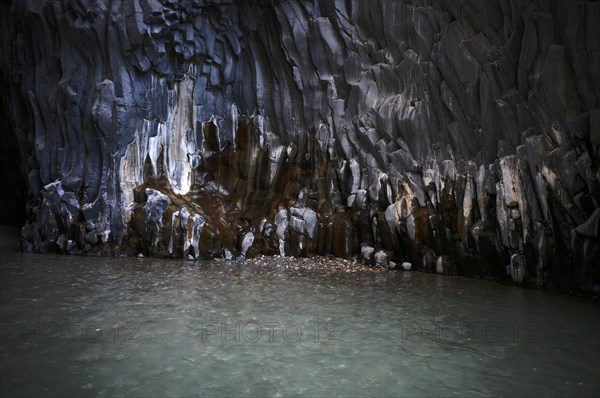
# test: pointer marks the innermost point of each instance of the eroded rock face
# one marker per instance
(463, 136)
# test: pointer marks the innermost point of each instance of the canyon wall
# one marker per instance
(461, 136)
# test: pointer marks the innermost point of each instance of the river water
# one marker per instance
(106, 327)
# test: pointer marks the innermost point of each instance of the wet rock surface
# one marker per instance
(462, 137)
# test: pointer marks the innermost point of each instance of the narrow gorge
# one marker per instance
(460, 136)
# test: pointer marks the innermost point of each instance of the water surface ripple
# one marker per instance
(76, 326)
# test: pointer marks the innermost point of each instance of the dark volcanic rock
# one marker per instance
(466, 130)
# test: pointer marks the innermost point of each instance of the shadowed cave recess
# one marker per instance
(460, 136)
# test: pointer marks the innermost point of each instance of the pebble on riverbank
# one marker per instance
(316, 263)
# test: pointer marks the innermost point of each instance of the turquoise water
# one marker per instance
(76, 326)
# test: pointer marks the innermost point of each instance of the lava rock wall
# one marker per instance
(461, 136)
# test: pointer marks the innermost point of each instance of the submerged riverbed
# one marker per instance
(106, 327)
